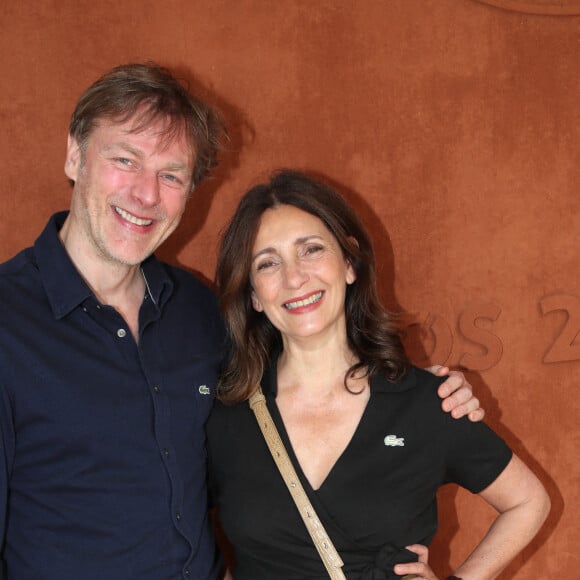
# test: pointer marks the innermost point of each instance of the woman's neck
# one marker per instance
(315, 370)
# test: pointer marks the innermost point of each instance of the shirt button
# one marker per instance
(121, 333)
(177, 516)
(187, 572)
(166, 452)
(156, 389)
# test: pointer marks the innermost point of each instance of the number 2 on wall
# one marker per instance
(563, 347)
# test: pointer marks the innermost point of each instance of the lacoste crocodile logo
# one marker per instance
(394, 441)
(203, 390)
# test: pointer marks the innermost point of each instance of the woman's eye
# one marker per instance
(264, 265)
(313, 249)
(267, 264)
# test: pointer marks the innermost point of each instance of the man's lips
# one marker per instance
(131, 218)
(303, 302)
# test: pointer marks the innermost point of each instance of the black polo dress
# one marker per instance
(379, 497)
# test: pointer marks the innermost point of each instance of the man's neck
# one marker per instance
(114, 284)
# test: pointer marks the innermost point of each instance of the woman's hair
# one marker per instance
(371, 331)
(148, 93)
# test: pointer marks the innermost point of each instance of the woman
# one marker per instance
(364, 428)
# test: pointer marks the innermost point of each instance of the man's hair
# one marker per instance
(149, 93)
(372, 332)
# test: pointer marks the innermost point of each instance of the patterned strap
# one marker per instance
(322, 541)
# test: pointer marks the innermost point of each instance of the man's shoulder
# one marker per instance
(189, 284)
(190, 301)
(21, 291)
(186, 276)
(17, 266)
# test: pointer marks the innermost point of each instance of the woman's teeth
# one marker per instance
(299, 303)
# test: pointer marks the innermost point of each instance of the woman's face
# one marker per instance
(299, 274)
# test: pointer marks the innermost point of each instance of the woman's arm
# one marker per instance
(523, 504)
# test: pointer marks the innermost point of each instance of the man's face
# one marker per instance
(130, 190)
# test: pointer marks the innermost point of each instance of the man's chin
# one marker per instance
(129, 259)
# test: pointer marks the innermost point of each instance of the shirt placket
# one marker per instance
(147, 355)
(148, 351)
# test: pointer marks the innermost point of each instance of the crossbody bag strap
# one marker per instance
(327, 551)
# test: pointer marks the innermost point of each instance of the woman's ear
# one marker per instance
(256, 303)
(350, 273)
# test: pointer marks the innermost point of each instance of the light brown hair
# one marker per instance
(151, 92)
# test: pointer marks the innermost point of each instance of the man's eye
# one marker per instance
(169, 177)
(123, 161)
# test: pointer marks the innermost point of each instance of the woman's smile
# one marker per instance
(312, 299)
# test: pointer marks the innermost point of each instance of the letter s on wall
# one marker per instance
(491, 344)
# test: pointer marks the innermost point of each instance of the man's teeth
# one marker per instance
(299, 303)
(131, 218)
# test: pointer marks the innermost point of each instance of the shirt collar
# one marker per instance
(158, 282)
(381, 384)
(65, 287)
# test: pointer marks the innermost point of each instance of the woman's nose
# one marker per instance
(295, 274)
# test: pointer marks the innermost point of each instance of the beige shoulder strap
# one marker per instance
(321, 540)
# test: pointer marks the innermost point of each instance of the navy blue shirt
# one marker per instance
(103, 461)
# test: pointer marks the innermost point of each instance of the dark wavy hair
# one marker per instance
(150, 92)
(372, 332)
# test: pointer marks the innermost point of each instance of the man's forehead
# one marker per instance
(162, 130)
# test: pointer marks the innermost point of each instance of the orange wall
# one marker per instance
(453, 126)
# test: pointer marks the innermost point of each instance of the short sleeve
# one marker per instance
(475, 455)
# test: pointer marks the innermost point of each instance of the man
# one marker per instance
(108, 357)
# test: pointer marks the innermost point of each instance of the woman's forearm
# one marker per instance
(523, 505)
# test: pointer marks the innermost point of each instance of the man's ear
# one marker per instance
(256, 303)
(72, 162)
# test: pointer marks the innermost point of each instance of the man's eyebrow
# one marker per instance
(124, 146)
(176, 167)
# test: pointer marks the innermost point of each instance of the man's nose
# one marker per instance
(146, 188)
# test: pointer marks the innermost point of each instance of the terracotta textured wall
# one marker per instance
(452, 125)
